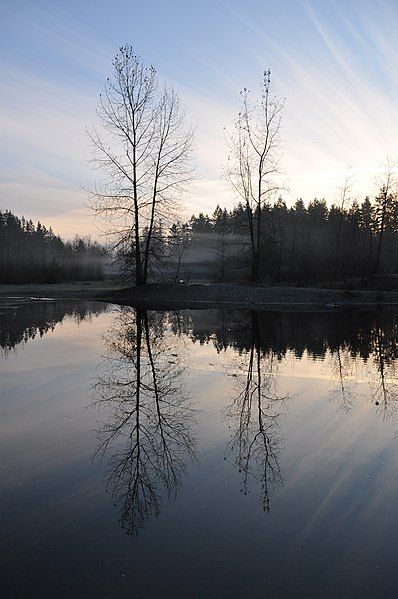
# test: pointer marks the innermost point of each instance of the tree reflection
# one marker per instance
(149, 430)
(257, 437)
(148, 433)
(355, 346)
(343, 370)
(381, 354)
(385, 388)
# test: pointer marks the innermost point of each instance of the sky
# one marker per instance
(336, 63)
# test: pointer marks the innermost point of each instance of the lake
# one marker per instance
(214, 453)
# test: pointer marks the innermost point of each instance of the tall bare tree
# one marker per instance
(343, 204)
(255, 152)
(145, 151)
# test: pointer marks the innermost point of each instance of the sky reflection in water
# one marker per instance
(200, 453)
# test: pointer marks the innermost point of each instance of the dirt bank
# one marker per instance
(248, 296)
(179, 296)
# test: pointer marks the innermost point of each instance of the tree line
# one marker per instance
(302, 244)
(144, 150)
(32, 253)
(315, 244)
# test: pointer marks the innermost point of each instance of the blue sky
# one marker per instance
(335, 62)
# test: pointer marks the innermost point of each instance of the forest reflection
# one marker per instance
(149, 425)
(23, 319)
(353, 345)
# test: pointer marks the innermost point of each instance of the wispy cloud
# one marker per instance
(37, 195)
(336, 64)
(337, 113)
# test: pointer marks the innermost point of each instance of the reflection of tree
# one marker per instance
(315, 334)
(257, 439)
(342, 365)
(382, 351)
(385, 389)
(150, 423)
(350, 342)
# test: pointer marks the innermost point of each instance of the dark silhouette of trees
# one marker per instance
(385, 212)
(222, 230)
(34, 254)
(338, 214)
(144, 151)
(347, 244)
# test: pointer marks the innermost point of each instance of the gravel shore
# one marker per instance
(179, 296)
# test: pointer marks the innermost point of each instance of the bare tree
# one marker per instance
(344, 202)
(179, 240)
(222, 232)
(255, 152)
(343, 368)
(145, 152)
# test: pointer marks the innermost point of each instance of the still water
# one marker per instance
(197, 453)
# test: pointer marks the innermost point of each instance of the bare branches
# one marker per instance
(255, 153)
(144, 151)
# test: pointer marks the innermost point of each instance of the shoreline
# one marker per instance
(201, 296)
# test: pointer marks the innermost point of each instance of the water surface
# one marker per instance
(197, 453)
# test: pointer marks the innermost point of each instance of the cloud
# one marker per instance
(46, 163)
(339, 112)
(337, 68)
(56, 202)
(43, 123)
(205, 196)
